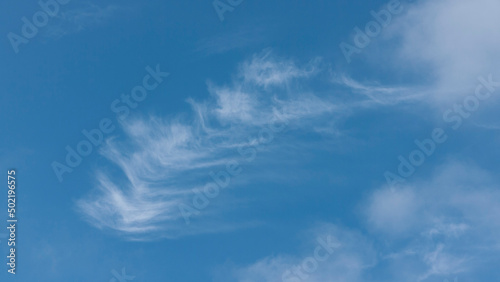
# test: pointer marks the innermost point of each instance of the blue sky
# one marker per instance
(252, 140)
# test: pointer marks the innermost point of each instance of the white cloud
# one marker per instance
(440, 48)
(445, 226)
(453, 41)
(234, 105)
(393, 211)
(449, 218)
(265, 71)
(376, 93)
(350, 255)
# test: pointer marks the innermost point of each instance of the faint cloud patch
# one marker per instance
(81, 17)
(335, 254)
(237, 39)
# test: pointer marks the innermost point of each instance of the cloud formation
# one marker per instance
(450, 41)
(336, 254)
(163, 159)
(445, 226)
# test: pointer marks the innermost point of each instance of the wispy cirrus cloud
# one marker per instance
(163, 160)
(381, 94)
